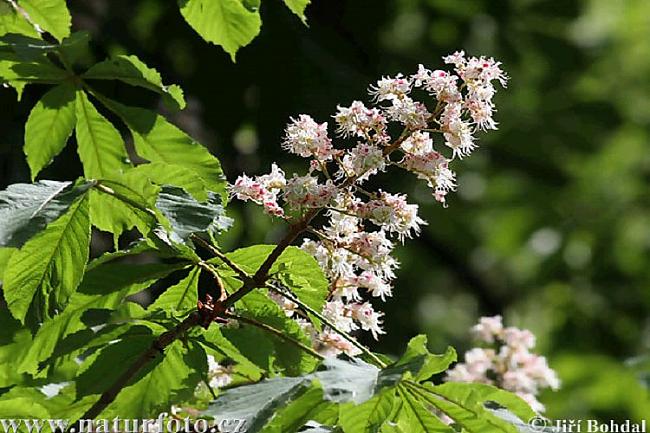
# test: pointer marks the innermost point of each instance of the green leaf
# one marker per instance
(369, 416)
(187, 216)
(343, 380)
(48, 127)
(310, 406)
(50, 265)
(157, 140)
(133, 71)
(421, 362)
(299, 270)
(257, 306)
(100, 145)
(5, 255)
(26, 209)
(179, 298)
(104, 287)
(12, 22)
(19, 408)
(162, 173)
(112, 214)
(298, 7)
(482, 393)
(18, 73)
(227, 23)
(415, 418)
(51, 15)
(256, 404)
(465, 407)
(98, 371)
(214, 341)
(164, 378)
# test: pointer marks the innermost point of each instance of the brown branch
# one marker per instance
(258, 280)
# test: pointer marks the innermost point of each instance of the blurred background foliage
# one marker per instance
(551, 223)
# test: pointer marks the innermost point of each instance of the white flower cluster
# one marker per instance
(508, 363)
(354, 248)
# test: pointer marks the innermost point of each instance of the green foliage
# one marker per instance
(83, 323)
(49, 266)
(231, 24)
(357, 397)
(49, 126)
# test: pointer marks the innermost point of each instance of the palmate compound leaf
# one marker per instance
(104, 287)
(186, 216)
(307, 413)
(50, 15)
(227, 23)
(369, 416)
(50, 265)
(25, 209)
(339, 381)
(133, 71)
(49, 126)
(415, 417)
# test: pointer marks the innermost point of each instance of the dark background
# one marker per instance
(551, 223)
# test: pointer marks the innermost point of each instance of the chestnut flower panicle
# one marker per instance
(509, 364)
(354, 247)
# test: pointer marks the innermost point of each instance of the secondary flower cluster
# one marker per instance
(354, 247)
(507, 363)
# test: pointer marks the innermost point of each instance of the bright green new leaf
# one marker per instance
(157, 140)
(104, 287)
(421, 363)
(12, 22)
(298, 7)
(180, 298)
(100, 145)
(25, 209)
(49, 126)
(18, 73)
(133, 71)
(51, 15)
(50, 265)
(227, 23)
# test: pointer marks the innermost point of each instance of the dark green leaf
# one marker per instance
(25, 209)
(187, 216)
(256, 404)
(103, 288)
